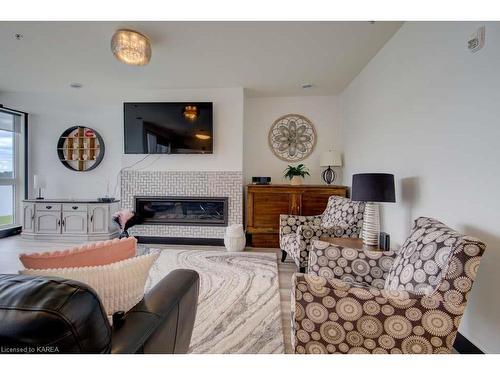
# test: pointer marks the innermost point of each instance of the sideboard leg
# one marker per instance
(283, 255)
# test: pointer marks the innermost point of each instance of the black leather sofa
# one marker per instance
(54, 315)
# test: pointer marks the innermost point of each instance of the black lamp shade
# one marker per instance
(373, 187)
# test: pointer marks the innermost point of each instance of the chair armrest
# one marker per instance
(163, 321)
(290, 223)
(348, 264)
(332, 316)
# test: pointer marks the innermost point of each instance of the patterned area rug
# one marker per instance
(239, 304)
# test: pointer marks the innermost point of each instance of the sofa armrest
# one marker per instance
(348, 264)
(163, 321)
(333, 316)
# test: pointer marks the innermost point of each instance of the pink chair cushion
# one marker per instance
(92, 254)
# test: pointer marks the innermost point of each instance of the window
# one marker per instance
(11, 167)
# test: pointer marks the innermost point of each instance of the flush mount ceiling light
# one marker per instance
(131, 47)
(190, 112)
(203, 137)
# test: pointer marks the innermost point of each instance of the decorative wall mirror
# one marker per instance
(80, 148)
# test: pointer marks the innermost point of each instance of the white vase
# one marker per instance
(296, 180)
(234, 239)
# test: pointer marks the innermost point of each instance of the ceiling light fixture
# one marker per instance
(190, 112)
(75, 85)
(131, 47)
(202, 136)
(306, 85)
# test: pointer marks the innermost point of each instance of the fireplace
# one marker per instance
(197, 211)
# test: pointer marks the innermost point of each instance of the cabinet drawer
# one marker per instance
(74, 207)
(48, 207)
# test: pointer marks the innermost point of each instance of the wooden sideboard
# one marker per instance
(265, 203)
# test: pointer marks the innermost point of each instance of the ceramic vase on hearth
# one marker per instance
(234, 239)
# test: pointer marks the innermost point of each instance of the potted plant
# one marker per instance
(296, 174)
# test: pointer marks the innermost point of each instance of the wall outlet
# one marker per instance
(476, 40)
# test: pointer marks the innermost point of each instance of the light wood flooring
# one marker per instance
(11, 247)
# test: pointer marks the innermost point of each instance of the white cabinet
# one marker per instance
(74, 222)
(29, 218)
(48, 222)
(69, 220)
(99, 217)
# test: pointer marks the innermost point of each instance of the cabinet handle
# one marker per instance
(91, 218)
(64, 223)
(48, 207)
(75, 207)
(58, 223)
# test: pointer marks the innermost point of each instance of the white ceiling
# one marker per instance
(267, 58)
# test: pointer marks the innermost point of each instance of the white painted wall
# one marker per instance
(260, 113)
(427, 110)
(52, 112)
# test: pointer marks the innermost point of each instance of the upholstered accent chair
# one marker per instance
(411, 301)
(341, 218)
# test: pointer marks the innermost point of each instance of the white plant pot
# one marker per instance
(296, 180)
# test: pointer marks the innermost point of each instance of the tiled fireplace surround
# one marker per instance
(188, 184)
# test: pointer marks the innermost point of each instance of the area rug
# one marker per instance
(239, 303)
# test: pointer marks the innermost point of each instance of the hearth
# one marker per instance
(174, 210)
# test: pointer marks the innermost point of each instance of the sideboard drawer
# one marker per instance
(72, 207)
(48, 207)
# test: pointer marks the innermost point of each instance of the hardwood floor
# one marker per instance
(11, 247)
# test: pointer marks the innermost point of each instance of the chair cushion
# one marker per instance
(424, 258)
(342, 213)
(119, 285)
(92, 254)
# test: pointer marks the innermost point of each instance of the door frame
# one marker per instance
(23, 172)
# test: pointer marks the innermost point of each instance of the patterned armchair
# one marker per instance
(340, 306)
(342, 218)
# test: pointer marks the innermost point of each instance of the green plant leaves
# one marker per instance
(300, 170)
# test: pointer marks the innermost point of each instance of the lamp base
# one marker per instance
(371, 225)
(39, 194)
(328, 175)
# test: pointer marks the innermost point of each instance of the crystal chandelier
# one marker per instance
(131, 47)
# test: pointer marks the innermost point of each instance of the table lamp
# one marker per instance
(330, 159)
(372, 188)
(39, 184)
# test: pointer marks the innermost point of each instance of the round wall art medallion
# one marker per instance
(292, 137)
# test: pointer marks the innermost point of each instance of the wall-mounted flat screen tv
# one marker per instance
(168, 128)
